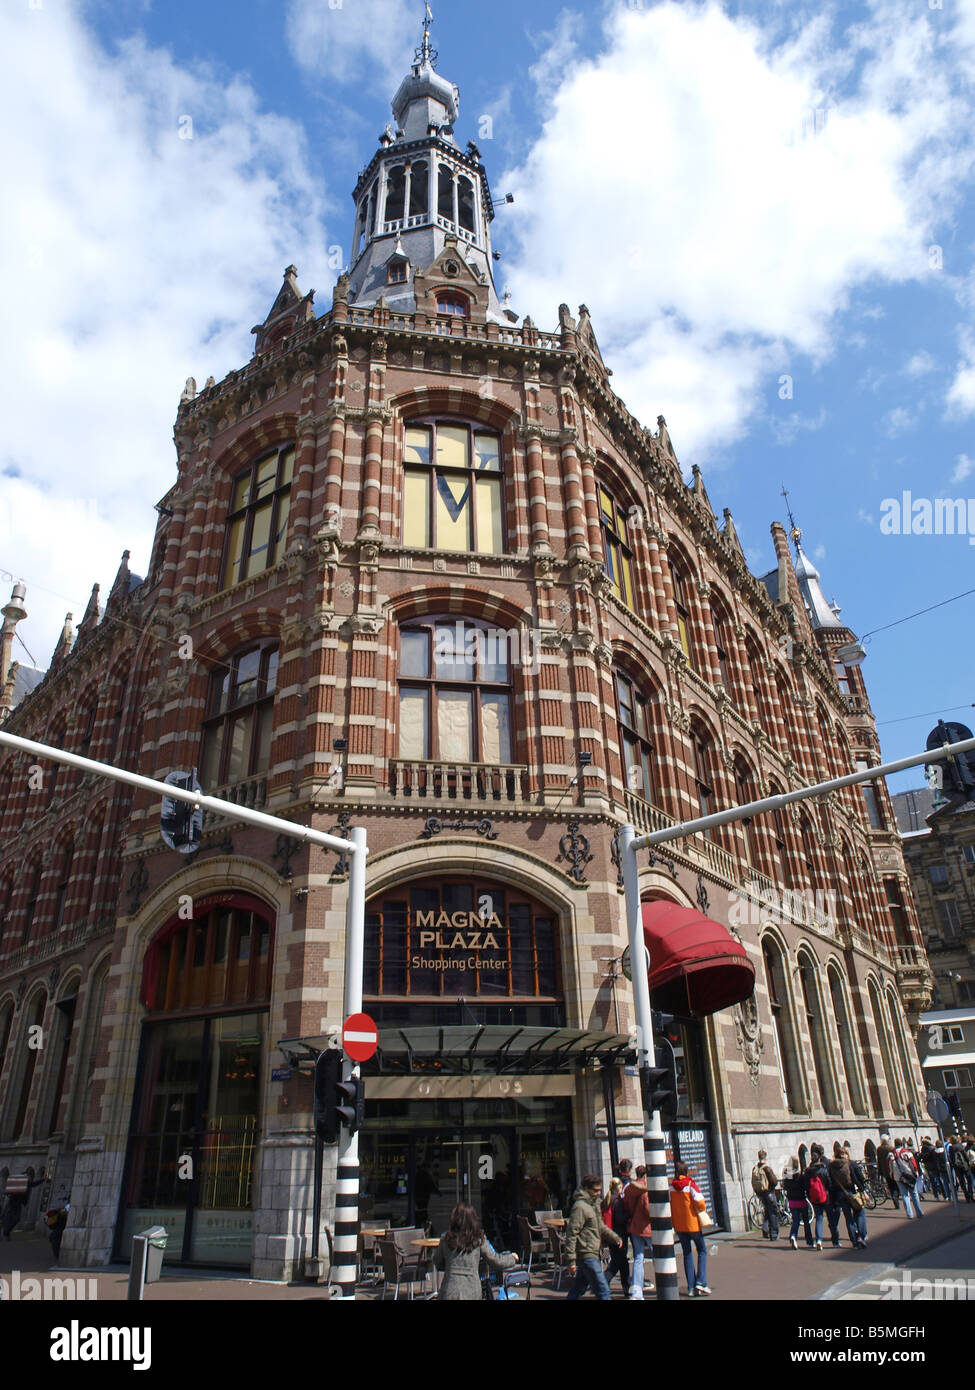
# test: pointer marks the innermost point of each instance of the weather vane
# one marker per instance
(426, 54)
(796, 533)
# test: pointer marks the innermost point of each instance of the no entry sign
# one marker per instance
(359, 1037)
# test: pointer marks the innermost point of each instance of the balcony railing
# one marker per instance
(442, 781)
(252, 793)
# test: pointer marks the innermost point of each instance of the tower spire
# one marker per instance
(425, 55)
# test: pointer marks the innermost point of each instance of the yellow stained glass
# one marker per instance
(241, 490)
(452, 446)
(267, 476)
(257, 559)
(288, 466)
(416, 509)
(682, 628)
(486, 454)
(284, 510)
(607, 505)
(627, 594)
(490, 532)
(234, 547)
(453, 511)
(417, 444)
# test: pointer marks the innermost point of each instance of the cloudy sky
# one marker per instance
(767, 206)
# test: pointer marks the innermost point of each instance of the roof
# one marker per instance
(26, 679)
(947, 1016)
(949, 1059)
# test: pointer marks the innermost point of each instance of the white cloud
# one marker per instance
(864, 515)
(361, 41)
(963, 469)
(898, 421)
(920, 364)
(788, 430)
(134, 260)
(679, 188)
(961, 393)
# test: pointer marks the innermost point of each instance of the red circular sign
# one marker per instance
(359, 1037)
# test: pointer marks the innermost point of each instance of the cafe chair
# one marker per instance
(397, 1269)
(534, 1240)
(559, 1259)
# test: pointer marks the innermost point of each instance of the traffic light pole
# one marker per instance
(347, 1199)
(664, 1263)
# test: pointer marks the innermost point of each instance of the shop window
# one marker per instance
(258, 517)
(617, 553)
(237, 732)
(438, 941)
(452, 489)
(455, 693)
(222, 957)
(636, 740)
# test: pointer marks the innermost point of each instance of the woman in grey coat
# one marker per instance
(460, 1252)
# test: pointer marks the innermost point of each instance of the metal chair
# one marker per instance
(559, 1259)
(397, 1269)
(534, 1240)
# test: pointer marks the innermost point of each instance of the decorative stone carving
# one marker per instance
(750, 1040)
(574, 850)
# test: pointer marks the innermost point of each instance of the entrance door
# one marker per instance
(448, 1169)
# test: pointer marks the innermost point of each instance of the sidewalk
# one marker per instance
(739, 1267)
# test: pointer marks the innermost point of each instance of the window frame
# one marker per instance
(432, 471)
(277, 535)
(618, 560)
(475, 686)
(223, 718)
(679, 587)
(631, 732)
(451, 304)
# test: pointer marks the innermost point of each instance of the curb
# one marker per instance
(871, 1272)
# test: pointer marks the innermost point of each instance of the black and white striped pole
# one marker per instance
(345, 1245)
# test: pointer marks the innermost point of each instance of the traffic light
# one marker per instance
(661, 1022)
(181, 824)
(658, 1084)
(953, 1104)
(957, 773)
(338, 1102)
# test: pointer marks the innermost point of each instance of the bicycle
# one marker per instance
(756, 1210)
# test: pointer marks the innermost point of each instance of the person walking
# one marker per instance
(883, 1168)
(818, 1182)
(636, 1200)
(941, 1166)
(584, 1237)
(462, 1247)
(14, 1208)
(930, 1166)
(797, 1195)
(764, 1183)
(614, 1215)
(687, 1207)
(56, 1220)
(963, 1173)
(903, 1171)
(845, 1198)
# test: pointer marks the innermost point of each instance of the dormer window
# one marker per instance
(397, 271)
(455, 304)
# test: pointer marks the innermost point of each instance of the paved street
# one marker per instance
(740, 1267)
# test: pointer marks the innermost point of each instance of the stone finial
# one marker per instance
(189, 391)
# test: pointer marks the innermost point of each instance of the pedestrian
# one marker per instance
(687, 1210)
(903, 1171)
(845, 1198)
(14, 1207)
(963, 1173)
(818, 1182)
(584, 1237)
(764, 1183)
(797, 1195)
(942, 1169)
(614, 1215)
(56, 1220)
(636, 1200)
(883, 1168)
(462, 1247)
(930, 1166)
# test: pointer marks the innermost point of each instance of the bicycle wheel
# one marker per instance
(756, 1212)
(869, 1200)
(881, 1192)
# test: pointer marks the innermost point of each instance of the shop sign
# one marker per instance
(280, 1073)
(460, 932)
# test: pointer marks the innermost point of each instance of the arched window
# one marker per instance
(419, 189)
(56, 774)
(679, 584)
(815, 1027)
(454, 304)
(722, 626)
(454, 693)
(86, 724)
(782, 1025)
(452, 494)
(258, 517)
(6, 898)
(6, 1024)
(465, 204)
(636, 740)
(746, 791)
(60, 1049)
(882, 1035)
(848, 1050)
(30, 909)
(807, 839)
(31, 1046)
(445, 192)
(240, 709)
(617, 554)
(756, 679)
(396, 194)
(222, 957)
(63, 886)
(903, 1051)
(702, 767)
(777, 827)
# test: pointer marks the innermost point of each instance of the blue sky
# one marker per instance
(768, 208)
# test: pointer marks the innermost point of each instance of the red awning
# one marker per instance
(696, 965)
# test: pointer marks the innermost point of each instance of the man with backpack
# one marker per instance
(903, 1172)
(764, 1184)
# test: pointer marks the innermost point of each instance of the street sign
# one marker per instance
(180, 824)
(937, 1108)
(625, 962)
(360, 1037)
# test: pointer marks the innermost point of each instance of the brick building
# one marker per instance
(421, 571)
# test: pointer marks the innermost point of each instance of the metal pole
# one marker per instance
(775, 803)
(664, 1262)
(195, 799)
(346, 1244)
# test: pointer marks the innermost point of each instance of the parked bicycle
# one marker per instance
(756, 1210)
